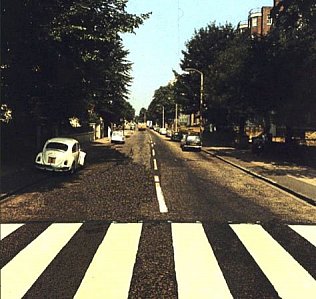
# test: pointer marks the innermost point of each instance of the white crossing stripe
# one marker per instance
(8, 228)
(306, 231)
(198, 273)
(307, 180)
(287, 276)
(153, 153)
(197, 270)
(23, 270)
(111, 269)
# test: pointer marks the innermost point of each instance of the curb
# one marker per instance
(265, 179)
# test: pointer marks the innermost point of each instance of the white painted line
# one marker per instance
(155, 164)
(153, 153)
(287, 276)
(8, 228)
(156, 179)
(161, 200)
(308, 232)
(197, 270)
(152, 145)
(110, 272)
(22, 271)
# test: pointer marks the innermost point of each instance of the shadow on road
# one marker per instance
(20, 176)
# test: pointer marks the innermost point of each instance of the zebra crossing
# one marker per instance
(203, 260)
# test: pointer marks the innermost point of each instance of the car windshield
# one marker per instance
(193, 138)
(117, 133)
(57, 146)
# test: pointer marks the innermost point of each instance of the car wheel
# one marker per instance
(73, 168)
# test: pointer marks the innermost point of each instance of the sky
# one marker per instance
(156, 47)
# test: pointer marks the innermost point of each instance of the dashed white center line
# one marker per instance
(161, 200)
(160, 197)
(155, 164)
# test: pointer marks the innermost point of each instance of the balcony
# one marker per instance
(255, 12)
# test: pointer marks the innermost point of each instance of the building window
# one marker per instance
(254, 22)
(269, 19)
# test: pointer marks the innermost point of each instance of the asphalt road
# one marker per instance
(146, 220)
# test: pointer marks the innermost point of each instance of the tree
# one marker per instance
(60, 57)
(163, 100)
(142, 115)
(202, 54)
(292, 43)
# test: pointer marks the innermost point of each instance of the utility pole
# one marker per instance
(176, 120)
(201, 94)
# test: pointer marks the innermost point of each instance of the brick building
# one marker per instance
(259, 20)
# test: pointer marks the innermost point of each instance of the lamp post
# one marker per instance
(201, 93)
(176, 118)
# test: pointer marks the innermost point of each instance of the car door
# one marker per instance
(81, 156)
(75, 153)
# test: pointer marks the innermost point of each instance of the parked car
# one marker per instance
(60, 154)
(118, 137)
(169, 133)
(162, 131)
(176, 136)
(259, 143)
(191, 142)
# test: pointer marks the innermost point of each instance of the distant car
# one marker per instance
(176, 136)
(191, 142)
(118, 137)
(141, 126)
(169, 133)
(60, 154)
(162, 131)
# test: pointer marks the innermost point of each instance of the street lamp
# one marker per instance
(201, 92)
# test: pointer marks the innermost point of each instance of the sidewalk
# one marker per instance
(297, 179)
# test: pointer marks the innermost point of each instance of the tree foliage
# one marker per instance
(62, 58)
(293, 51)
(254, 77)
(163, 100)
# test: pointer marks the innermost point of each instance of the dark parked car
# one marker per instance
(259, 143)
(191, 142)
(176, 136)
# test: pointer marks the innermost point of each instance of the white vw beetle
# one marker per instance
(60, 154)
(118, 137)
